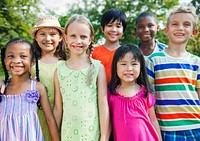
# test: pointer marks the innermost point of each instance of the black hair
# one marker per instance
(32, 52)
(112, 15)
(60, 52)
(145, 14)
(137, 55)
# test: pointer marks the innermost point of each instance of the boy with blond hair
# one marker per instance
(175, 75)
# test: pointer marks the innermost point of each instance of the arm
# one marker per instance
(58, 105)
(198, 91)
(2, 86)
(154, 121)
(50, 120)
(105, 127)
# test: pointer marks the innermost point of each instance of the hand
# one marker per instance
(2, 86)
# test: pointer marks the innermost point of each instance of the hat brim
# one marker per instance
(33, 30)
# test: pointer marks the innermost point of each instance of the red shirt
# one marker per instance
(105, 56)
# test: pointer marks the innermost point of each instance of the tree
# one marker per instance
(16, 18)
(93, 9)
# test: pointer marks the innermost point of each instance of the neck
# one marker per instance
(77, 62)
(147, 47)
(112, 46)
(175, 50)
(49, 59)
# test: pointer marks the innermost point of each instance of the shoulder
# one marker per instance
(161, 46)
(98, 48)
(156, 55)
(40, 88)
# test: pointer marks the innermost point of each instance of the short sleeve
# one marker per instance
(150, 100)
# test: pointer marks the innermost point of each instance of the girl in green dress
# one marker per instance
(81, 107)
(51, 48)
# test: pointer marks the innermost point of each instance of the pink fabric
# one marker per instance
(130, 118)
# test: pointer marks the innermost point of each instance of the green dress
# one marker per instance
(80, 120)
(46, 75)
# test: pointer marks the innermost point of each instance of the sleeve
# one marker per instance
(150, 100)
(150, 72)
(198, 75)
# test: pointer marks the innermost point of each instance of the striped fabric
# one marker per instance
(18, 119)
(175, 81)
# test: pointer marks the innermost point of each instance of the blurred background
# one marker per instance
(18, 16)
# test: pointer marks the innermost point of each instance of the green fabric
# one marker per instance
(46, 75)
(80, 104)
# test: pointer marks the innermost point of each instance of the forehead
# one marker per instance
(117, 21)
(128, 56)
(147, 19)
(18, 48)
(182, 17)
(78, 27)
(48, 29)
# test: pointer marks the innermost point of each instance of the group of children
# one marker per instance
(73, 102)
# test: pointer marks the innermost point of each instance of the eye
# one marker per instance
(119, 26)
(23, 56)
(10, 56)
(109, 25)
(83, 37)
(52, 34)
(140, 26)
(150, 25)
(41, 34)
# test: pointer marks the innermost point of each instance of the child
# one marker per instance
(146, 29)
(18, 106)
(175, 74)
(80, 87)
(113, 25)
(130, 98)
(51, 48)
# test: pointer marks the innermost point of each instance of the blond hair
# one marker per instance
(184, 8)
(82, 19)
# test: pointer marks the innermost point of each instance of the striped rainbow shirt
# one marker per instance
(175, 81)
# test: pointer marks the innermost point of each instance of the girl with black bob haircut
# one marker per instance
(130, 99)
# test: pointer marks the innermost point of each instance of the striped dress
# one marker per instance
(175, 81)
(18, 117)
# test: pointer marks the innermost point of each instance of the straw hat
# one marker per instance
(45, 21)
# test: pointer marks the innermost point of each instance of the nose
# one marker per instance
(17, 60)
(48, 37)
(129, 67)
(78, 40)
(180, 27)
(113, 28)
(146, 28)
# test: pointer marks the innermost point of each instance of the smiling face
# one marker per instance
(147, 28)
(18, 58)
(128, 69)
(48, 39)
(113, 31)
(78, 38)
(180, 28)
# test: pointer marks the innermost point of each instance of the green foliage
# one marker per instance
(16, 18)
(94, 9)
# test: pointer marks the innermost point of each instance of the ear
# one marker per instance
(32, 63)
(91, 39)
(194, 32)
(158, 27)
(166, 31)
(102, 29)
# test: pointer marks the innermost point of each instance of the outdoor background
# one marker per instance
(18, 16)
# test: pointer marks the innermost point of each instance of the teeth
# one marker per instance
(179, 34)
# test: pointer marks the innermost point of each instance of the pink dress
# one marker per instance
(130, 118)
